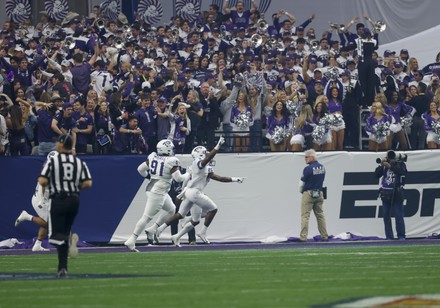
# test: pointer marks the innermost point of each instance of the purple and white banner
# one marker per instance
(18, 10)
(56, 9)
(111, 8)
(188, 9)
(151, 11)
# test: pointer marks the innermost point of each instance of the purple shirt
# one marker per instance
(45, 132)
(397, 110)
(81, 77)
(82, 138)
(334, 106)
(147, 121)
(179, 137)
(429, 120)
(272, 122)
(235, 112)
(371, 121)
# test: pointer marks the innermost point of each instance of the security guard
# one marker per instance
(311, 187)
(65, 175)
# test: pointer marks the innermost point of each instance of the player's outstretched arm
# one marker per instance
(226, 179)
(214, 151)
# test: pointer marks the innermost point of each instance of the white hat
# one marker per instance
(18, 48)
(69, 17)
(122, 18)
(65, 63)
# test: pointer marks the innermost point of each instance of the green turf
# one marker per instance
(242, 278)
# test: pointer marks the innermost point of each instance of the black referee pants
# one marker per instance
(63, 211)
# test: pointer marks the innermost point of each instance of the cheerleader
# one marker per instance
(432, 126)
(320, 113)
(377, 128)
(397, 109)
(277, 127)
(335, 109)
(241, 120)
(303, 129)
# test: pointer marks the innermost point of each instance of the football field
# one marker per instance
(264, 275)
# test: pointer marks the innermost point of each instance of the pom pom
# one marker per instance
(279, 135)
(242, 120)
(381, 131)
(406, 121)
(318, 134)
(436, 126)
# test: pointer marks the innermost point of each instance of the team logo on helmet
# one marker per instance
(199, 152)
(165, 147)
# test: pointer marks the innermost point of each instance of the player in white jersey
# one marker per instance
(192, 194)
(41, 204)
(162, 168)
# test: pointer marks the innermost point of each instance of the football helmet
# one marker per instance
(165, 147)
(199, 152)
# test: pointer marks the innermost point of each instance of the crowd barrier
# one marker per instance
(267, 204)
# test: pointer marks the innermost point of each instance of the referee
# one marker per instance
(65, 175)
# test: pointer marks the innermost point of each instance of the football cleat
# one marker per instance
(39, 248)
(202, 236)
(150, 237)
(131, 244)
(73, 249)
(23, 216)
(176, 240)
(62, 273)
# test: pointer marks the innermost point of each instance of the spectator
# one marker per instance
(239, 16)
(84, 127)
(147, 121)
(163, 119)
(421, 104)
(210, 118)
(180, 127)
(128, 138)
(104, 129)
(64, 124)
(16, 124)
(195, 112)
(61, 87)
(81, 71)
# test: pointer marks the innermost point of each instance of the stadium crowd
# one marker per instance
(262, 82)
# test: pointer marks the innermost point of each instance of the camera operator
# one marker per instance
(392, 170)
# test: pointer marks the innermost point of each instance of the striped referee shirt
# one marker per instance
(65, 173)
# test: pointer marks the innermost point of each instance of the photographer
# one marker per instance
(392, 171)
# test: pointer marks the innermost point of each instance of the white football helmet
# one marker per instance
(199, 152)
(165, 147)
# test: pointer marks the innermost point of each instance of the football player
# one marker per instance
(161, 167)
(41, 203)
(192, 194)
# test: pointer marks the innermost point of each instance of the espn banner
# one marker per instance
(266, 205)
